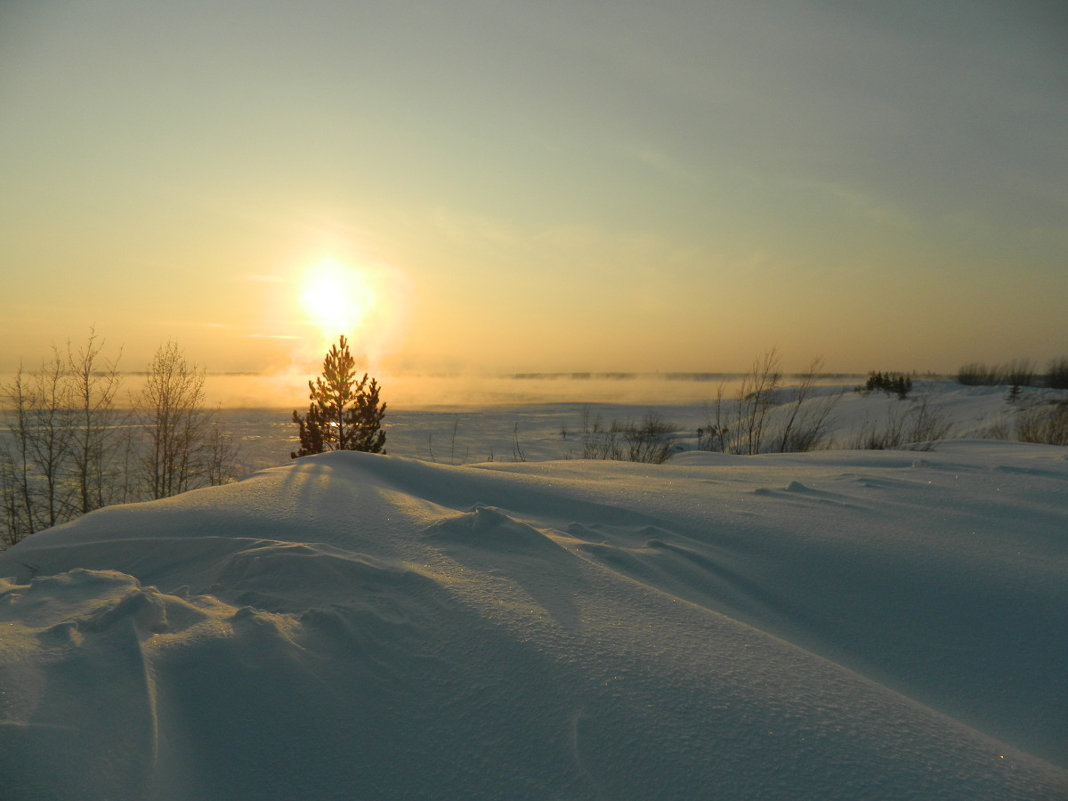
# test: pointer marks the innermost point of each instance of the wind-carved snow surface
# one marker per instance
(835, 625)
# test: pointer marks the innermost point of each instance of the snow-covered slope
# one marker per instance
(834, 625)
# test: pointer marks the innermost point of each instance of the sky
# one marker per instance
(510, 187)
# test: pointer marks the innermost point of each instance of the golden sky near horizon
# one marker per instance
(506, 187)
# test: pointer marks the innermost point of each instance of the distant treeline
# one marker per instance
(1017, 373)
(673, 376)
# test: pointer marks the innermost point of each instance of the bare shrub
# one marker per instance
(1019, 373)
(806, 422)
(1045, 424)
(1000, 428)
(915, 426)
(739, 426)
(755, 399)
(766, 415)
(595, 442)
(517, 450)
(714, 435)
(1057, 374)
(978, 374)
(648, 441)
(888, 436)
(929, 425)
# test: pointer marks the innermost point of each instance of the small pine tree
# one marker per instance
(345, 413)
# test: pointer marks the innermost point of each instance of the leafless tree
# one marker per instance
(222, 454)
(35, 472)
(94, 382)
(15, 470)
(184, 448)
(51, 440)
(63, 451)
(11, 509)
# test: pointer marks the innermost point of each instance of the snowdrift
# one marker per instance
(837, 625)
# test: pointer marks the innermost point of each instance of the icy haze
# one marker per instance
(834, 625)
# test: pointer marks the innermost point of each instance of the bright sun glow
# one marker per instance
(336, 298)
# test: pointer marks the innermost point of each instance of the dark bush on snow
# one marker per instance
(892, 383)
(977, 374)
(1057, 374)
(647, 441)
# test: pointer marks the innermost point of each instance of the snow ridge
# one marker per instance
(831, 625)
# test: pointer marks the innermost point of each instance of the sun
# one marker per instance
(336, 298)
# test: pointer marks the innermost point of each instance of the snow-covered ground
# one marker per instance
(839, 624)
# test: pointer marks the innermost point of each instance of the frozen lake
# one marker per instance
(526, 432)
(468, 419)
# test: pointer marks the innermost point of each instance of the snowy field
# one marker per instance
(839, 624)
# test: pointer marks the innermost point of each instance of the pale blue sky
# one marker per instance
(539, 186)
